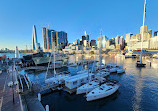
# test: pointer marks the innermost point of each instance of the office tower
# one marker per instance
(77, 41)
(93, 43)
(86, 37)
(117, 40)
(98, 43)
(155, 33)
(61, 39)
(150, 32)
(83, 38)
(128, 37)
(141, 29)
(122, 42)
(44, 38)
(104, 39)
(50, 36)
(34, 39)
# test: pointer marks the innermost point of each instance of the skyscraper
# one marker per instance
(58, 37)
(34, 39)
(121, 42)
(117, 40)
(44, 38)
(86, 37)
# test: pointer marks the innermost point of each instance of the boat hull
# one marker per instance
(102, 95)
(140, 65)
(119, 71)
(112, 70)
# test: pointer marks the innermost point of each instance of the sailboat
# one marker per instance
(92, 84)
(58, 78)
(139, 63)
(102, 90)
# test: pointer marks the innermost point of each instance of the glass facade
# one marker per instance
(44, 38)
(62, 39)
(34, 39)
(58, 37)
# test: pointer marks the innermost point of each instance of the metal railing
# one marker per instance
(21, 83)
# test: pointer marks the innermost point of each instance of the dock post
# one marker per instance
(39, 96)
(150, 63)
(47, 107)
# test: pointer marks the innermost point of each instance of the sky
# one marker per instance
(115, 17)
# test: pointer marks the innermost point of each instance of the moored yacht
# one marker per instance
(102, 91)
(90, 86)
(119, 71)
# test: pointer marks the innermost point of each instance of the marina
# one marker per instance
(82, 57)
(127, 81)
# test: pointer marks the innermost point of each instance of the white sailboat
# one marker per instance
(102, 91)
(92, 84)
(119, 71)
(139, 63)
(57, 78)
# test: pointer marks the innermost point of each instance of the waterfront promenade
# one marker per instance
(6, 94)
(20, 102)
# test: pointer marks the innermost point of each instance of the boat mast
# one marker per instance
(48, 66)
(143, 31)
(100, 48)
(88, 73)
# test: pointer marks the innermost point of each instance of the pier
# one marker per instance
(15, 93)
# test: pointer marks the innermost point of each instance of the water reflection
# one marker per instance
(138, 91)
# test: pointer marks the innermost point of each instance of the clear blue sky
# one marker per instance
(116, 17)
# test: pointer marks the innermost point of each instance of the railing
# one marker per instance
(26, 82)
(21, 83)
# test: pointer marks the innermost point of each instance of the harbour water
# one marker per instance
(138, 90)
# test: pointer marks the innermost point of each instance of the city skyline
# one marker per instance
(115, 17)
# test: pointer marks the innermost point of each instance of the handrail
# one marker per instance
(21, 83)
(26, 82)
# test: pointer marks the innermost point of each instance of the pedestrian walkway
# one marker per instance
(6, 94)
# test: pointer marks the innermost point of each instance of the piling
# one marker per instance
(47, 107)
(39, 96)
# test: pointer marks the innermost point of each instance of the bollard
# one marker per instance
(47, 107)
(150, 64)
(39, 96)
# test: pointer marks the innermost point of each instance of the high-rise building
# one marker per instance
(122, 42)
(98, 43)
(86, 37)
(150, 32)
(141, 29)
(62, 41)
(128, 37)
(44, 38)
(104, 39)
(77, 41)
(34, 39)
(93, 43)
(59, 38)
(155, 33)
(117, 40)
(85, 43)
